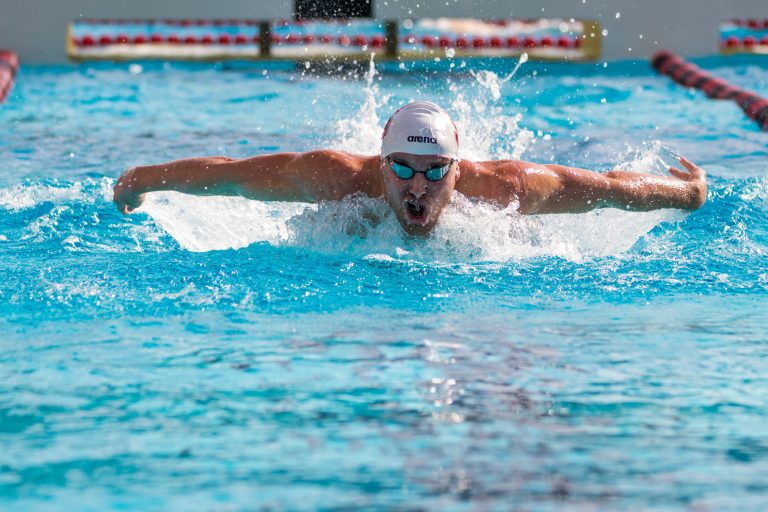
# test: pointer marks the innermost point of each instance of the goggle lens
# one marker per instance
(406, 172)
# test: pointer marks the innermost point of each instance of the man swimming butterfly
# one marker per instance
(417, 171)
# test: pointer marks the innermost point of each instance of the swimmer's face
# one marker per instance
(417, 201)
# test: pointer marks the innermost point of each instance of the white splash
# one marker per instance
(488, 130)
(468, 230)
(214, 223)
(361, 133)
(364, 227)
(652, 157)
(24, 196)
(491, 80)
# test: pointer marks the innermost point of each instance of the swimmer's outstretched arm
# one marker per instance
(560, 189)
(309, 177)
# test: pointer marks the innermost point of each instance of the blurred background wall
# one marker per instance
(36, 28)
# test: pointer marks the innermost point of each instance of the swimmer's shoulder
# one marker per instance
(367, 177)
(495, 180)
(493, 167)
(497, 168)
(349, 173)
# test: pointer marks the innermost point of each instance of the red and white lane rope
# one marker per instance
(690, 75)
(9, 66)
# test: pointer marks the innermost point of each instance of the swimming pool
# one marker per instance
(217, 354)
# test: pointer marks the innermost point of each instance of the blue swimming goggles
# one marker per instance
(406, 172)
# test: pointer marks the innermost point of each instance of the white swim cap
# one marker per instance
(420, 128)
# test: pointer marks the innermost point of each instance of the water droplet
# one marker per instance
(618, 15)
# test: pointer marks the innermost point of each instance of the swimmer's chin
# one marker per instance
(418, 228)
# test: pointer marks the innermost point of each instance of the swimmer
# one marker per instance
(416, 173)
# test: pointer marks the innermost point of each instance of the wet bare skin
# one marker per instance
(418, 202)
(328, 175)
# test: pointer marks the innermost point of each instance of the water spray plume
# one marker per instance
(469, 230)
(362, 132)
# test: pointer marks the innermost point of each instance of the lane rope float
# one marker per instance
(690, 75)
(9, 66)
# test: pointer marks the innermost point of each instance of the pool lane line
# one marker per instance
(9, 66)
(690, 75)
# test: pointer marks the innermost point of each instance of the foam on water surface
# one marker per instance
(359, 226)
(467, 231)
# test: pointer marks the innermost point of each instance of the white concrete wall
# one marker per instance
(36, 28)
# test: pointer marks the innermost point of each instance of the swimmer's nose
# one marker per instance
(418, 185)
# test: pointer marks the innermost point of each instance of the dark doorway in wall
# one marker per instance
(333, 9)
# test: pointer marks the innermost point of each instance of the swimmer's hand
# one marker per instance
(125, 196)
(695, 178)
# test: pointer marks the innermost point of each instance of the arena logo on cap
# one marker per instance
(418, 138)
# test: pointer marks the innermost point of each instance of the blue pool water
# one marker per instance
(219, 354)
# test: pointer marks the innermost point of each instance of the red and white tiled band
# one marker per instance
(747, 41)
(376, 41)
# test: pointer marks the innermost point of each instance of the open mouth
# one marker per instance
(415, 210)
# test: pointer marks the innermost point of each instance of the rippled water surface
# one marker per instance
(221, 354)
